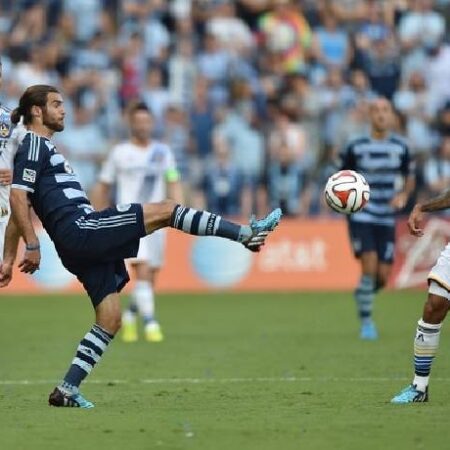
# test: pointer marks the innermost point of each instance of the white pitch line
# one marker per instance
(222, 380)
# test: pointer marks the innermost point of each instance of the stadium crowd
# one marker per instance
(255, 97)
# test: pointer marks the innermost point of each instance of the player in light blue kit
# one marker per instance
(383, 158)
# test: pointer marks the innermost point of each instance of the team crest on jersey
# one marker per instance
(5, 129)
(123, 207)
(68, 167)
(29, 175)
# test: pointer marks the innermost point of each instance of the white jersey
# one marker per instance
(10, 138)
(140, 174)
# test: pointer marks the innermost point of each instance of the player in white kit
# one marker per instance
(10, 137)
(144, 171)
(426, 341)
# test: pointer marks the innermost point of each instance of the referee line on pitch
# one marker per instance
(220, 380)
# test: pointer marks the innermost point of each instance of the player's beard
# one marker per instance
(52, 124)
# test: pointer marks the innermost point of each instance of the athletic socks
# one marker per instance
(89, 353)
(204, 223)
(426, 344)
(145, 300)
(364, 296)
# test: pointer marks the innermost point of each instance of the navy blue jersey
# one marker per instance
(53, 188)
(385, 164)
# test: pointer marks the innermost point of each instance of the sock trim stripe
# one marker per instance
(87, 359)
(82, 365)
(103, 333)
(196, 222)
(99, 336)
(93, 343)
(89, 349)
(180, 224)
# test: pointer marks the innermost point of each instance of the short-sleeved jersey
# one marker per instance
(140, 174)
(10, 137)
(385, 164)
(54, 190)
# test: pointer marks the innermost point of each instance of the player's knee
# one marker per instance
(157, 215)
(435, 309)
(112, 322)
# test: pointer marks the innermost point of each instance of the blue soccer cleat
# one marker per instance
(411, 395)
(261, 229)
(368, 331)
(62, 399)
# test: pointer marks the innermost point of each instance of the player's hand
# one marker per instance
(415, 221)
(399, 200)
(6, 177)
(30, 262)
(6, 271)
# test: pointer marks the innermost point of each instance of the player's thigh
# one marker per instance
(107, 235)
(383, 273)
(385, 243)
(98, 279)
(362, 238)
(369, 262)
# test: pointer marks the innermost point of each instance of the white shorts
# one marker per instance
(151, 249)
(440, 273)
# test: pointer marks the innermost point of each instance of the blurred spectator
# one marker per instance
(182, 73)
(176, 134)
(83, 144)
(415, 103)
(251, 72)
(230, 31)
(331, 44)
(437, 169)
(335, 98)
(381, 63)
(84, 17)
(222, 184)
(213, 63)
(157, 97)
(286, 36)
(285, 182)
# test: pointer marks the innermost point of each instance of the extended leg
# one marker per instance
(204, 223)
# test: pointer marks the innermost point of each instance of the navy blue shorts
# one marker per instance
(368, 237)
(93, 247)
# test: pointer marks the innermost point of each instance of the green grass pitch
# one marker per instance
(253, 371)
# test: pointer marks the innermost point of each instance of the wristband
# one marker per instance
(31, 248)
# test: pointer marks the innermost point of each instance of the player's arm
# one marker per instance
(12, 237)
(408, 169)
(437, 203)
(173, 180)
(27, 169)
(20, 211)
(5, 177)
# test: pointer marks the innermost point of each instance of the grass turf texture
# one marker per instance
(266, 371)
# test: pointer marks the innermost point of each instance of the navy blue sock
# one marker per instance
(204, 223)
(89, 353)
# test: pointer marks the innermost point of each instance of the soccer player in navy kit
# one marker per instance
(91, 244)
(383, 158)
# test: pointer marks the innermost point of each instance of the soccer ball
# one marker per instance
(347, 191)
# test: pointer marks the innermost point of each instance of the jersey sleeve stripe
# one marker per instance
(22, 187)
